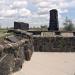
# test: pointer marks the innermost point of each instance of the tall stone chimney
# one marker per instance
(53, 22)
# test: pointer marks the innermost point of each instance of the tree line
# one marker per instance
(68, 25)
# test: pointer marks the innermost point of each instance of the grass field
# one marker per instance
(3, 33)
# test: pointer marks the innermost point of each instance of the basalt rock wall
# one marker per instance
(54, 44)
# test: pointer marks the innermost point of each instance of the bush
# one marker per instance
(68, 25)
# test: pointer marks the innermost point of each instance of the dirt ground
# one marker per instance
(49, 64)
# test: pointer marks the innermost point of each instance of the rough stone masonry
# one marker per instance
(54, 40)
(53, 22)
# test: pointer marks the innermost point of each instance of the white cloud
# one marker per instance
(24, 12)
(72, 4)
(2, 18)
(8, 13)
(1, 2)
(63, 4)
(43, 11)
(19, 4)
(37, 1)
(19, 9)
(43, 4)
(14, 8)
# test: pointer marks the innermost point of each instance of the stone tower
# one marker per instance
(53, 22)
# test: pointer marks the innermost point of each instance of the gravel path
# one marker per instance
(49, 64)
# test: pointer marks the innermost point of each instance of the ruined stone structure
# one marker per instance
(21, 25)
(53, 23)
(19, 46)
(14, 50)
(54, 40)
(51, 42)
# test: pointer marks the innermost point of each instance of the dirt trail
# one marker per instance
(49, 64)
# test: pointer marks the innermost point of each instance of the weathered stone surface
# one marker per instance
(54, 44)
(21, 25)
(53, 23)
(14, 50)
(12, 38)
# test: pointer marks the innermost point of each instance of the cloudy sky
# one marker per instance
(34, 12)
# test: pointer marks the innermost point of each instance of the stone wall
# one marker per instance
(54, 44)
(21, 25)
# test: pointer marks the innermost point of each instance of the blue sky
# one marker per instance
(34, 12)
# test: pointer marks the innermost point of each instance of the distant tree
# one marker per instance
(68, 25)
(0, 26)
(44, 26)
